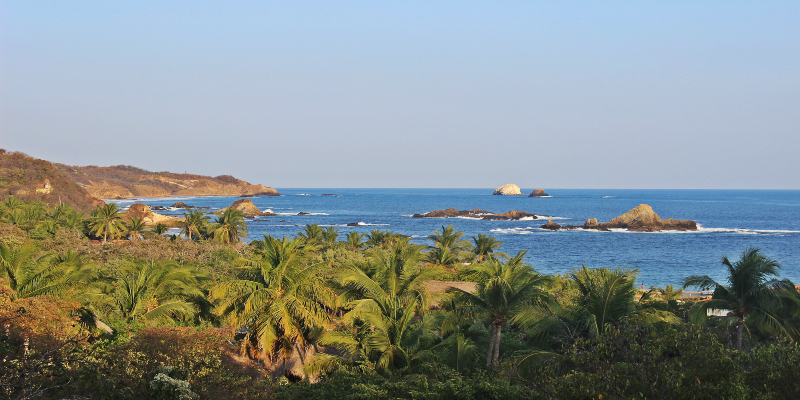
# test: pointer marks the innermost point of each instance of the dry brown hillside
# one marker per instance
(31, 179)
(123, 181)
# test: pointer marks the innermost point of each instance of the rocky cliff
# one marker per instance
(124, 181)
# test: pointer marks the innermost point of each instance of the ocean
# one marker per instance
(729, 222)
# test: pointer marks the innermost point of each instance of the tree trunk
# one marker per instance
(739, 331)
(490, 353)
(499, 334)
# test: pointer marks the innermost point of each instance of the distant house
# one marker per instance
(44, 188)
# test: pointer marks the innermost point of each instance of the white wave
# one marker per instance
(552, 217)
(366, 224)
(286, 214)
(473, 218)
(742, 231)
(513, 231)
(268, 210)
(302, 194)
(316, 214)
(609, 197)
(528, 218)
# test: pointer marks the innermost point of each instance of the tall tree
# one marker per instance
(504, 290)
(449, 239)
(754, 295)
(134, 226)
(105, 221)
(278, 296)
(388, 294)
(229, 227)
(312, 234)
(484, 247)
(194, 222)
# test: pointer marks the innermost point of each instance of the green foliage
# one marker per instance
(434, 382)
(754, 295)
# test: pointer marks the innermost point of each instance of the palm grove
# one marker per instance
(138, 313)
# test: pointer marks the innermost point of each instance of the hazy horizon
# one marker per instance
(572, 95)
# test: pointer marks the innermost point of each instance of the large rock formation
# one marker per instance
(478, 214)
(507, 190)
(249, 209)
(551, 226)
(641, 218)
(150, 218)
(538, 193)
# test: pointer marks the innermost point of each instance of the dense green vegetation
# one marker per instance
(324, 315)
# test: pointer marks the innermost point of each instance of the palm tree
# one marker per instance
(194, 221)
(105, 221)
(379, 238)
(483, 247)
(753, 295)
(389, 294)
(30, 275)
(278, 297)
(449, 238)
(606, 295)
(504, 291)
(160, 229)
(355, 240)
(155, 291)
(330, 235)
(442, 256)
(311, 234)
(134, 226)
(669, 293)
(229, 227)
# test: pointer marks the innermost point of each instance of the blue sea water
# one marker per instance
(730, 221)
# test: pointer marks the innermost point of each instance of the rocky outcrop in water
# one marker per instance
(641, 218)
(507, 190)
(551, 226)
(538, 193)
(249, 209)
(149, 217)
(478, 214)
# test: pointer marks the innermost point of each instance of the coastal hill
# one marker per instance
(31, 179)
(123, 181)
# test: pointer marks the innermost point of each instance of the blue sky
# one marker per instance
(411, 94)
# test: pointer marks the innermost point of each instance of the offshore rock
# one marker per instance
(551, 226)
(539, 193)
(150, 218)
(642, 218)
(249, 210)
(477, 214)
(515, 215)
(452, 213)
(507, 190)
(591, 223)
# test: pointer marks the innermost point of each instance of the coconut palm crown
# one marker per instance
(753, 294)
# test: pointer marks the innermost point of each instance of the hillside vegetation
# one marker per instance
(101, 307)
(123, 181)
(32, 179)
